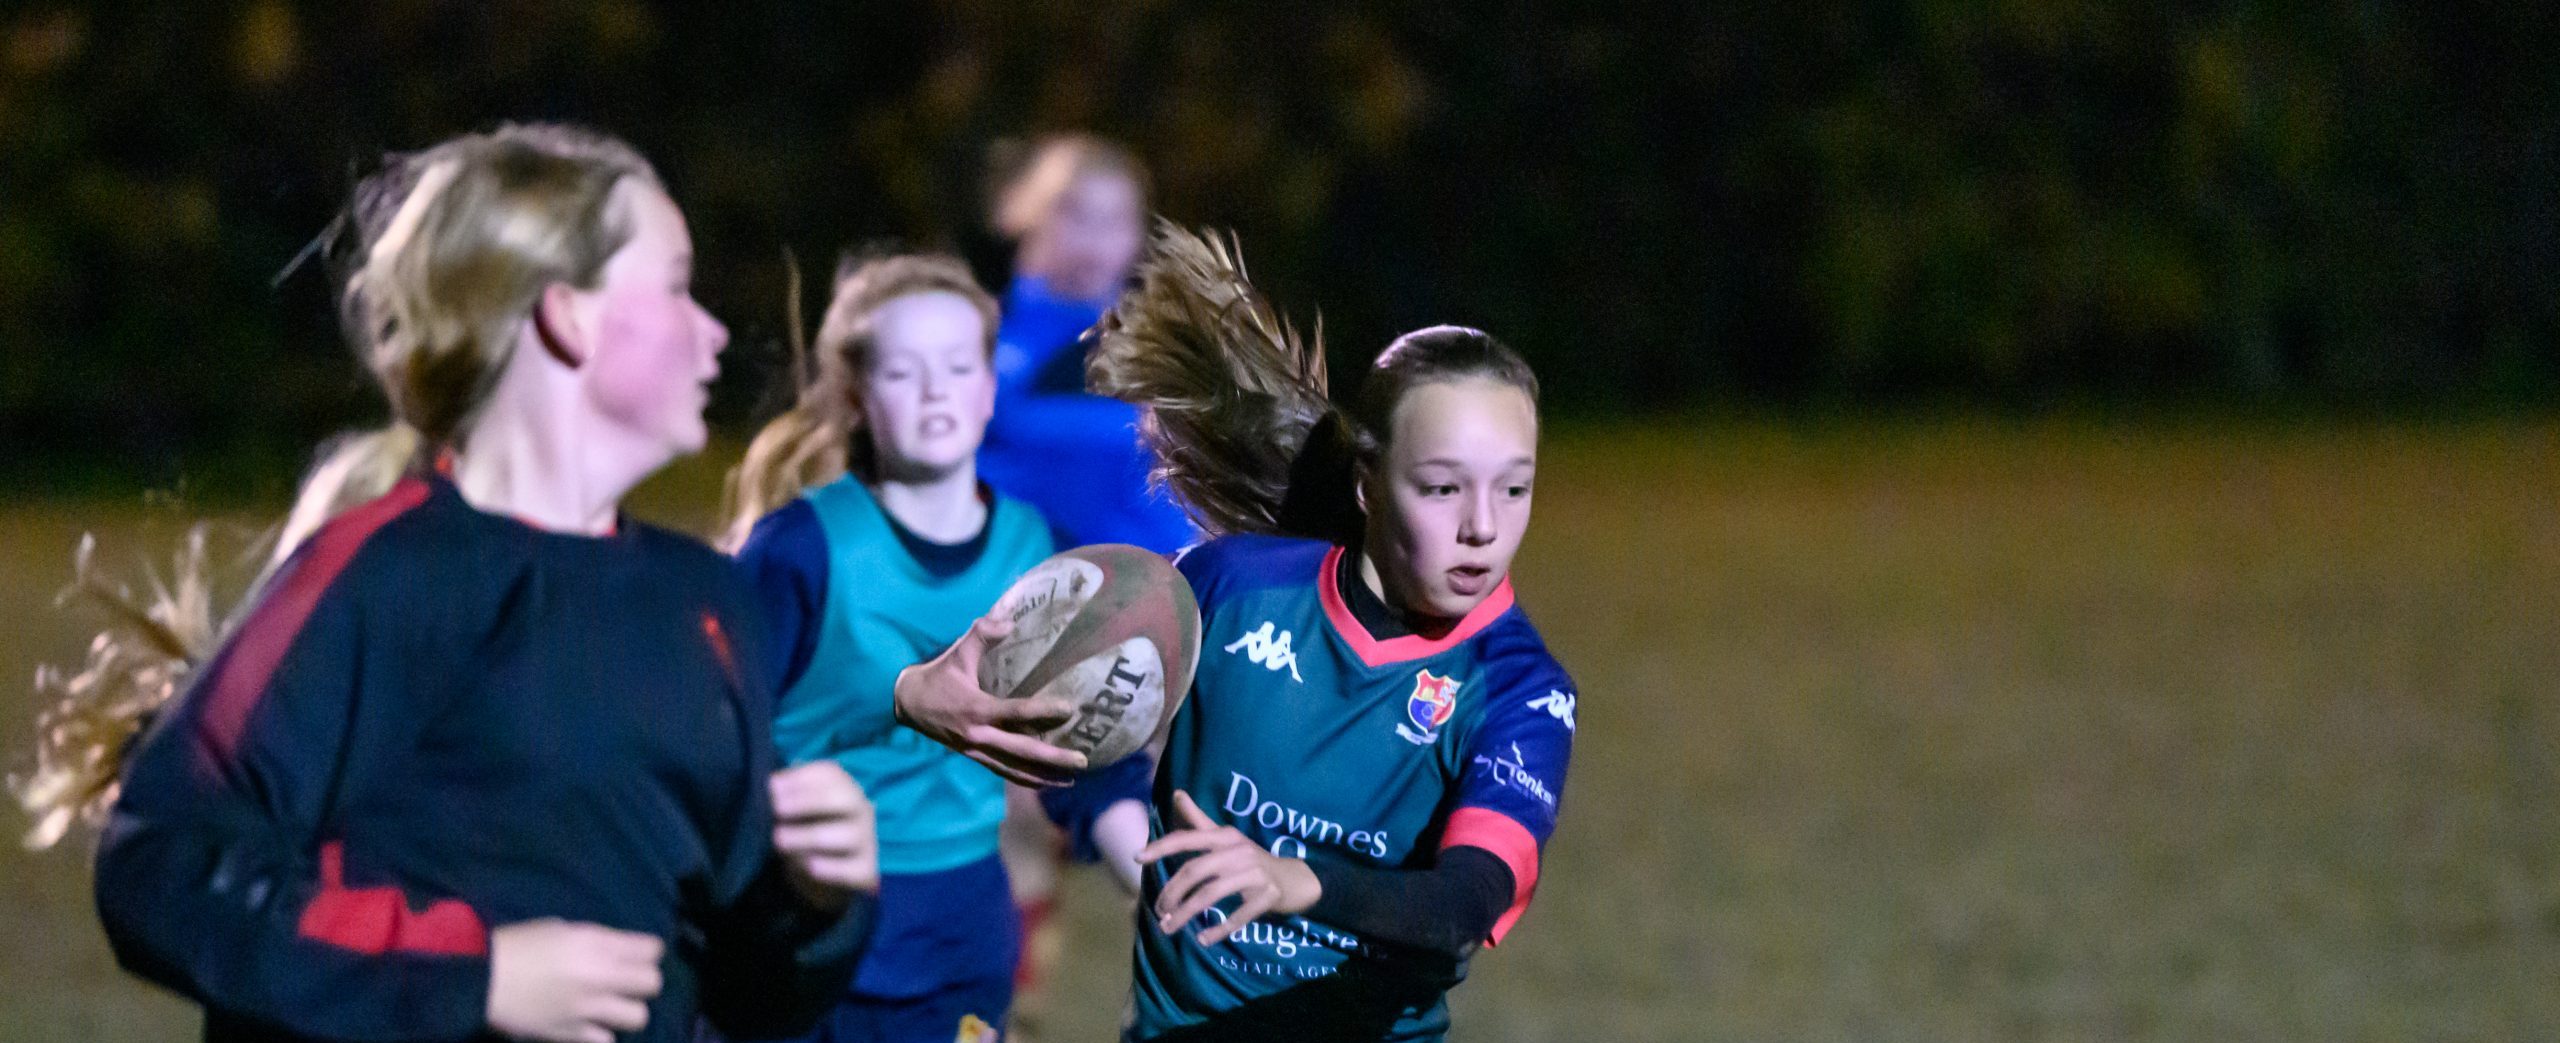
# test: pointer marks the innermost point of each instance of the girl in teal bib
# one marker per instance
(860, 521)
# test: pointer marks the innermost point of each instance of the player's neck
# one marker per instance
(1428, 626)
(538, 471)
(942, 508)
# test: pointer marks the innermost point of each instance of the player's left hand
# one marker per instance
(823, 829)
(1226, 863)
(940, 699)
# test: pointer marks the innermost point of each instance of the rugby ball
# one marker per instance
(1112, 630)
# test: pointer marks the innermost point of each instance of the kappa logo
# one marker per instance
(1434, 698)
(1267, 651)
(1557, 704)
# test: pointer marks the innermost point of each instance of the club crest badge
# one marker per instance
(1434, 698)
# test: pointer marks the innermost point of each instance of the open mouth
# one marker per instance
(936, 426)
(1470, 580)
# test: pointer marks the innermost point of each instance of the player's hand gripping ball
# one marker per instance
(1110, 629)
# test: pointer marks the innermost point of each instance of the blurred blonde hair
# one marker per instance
(450, 249)
(137, 664)
(820, 438)
(453, 246)
(1030, 178)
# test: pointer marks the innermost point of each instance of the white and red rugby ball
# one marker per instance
(1111, 629)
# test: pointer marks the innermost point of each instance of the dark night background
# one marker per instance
(2052, 517)
(1799, 206)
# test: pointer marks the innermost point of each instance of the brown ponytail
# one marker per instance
(1235, 405)
(1229, 393)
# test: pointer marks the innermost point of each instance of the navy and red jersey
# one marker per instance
(1321, 741)
(435, 722)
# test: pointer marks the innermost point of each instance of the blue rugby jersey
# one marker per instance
(1075, 456)
(1320, 742)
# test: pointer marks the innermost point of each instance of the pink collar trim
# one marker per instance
(1411, 646)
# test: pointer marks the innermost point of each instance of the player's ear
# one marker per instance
(555, 324)
(1360, 485)
(853, 410)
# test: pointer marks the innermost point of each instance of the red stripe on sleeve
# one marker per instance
(270, 630)
(718, 638)
(1509, 841)
(376, 920)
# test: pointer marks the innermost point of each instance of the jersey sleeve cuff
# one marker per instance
(1506, 839)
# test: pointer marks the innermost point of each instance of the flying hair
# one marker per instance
(1235, 405)
(87, 717)
(1229, 392)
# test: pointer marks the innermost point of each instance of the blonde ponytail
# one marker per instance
(354, 469)
(452, 247)
(806, 446)
(135, 666)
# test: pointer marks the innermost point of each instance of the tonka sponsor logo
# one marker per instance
(1514, 774)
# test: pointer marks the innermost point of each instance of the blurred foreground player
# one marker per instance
(1355, 795)
(485, 758)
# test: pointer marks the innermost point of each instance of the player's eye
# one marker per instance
(1439, 490)
(1516, 492)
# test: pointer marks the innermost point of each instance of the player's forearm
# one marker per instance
(1118, 833)
(1449, 908)
(222, 910)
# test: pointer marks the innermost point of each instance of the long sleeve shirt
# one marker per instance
(435, 722)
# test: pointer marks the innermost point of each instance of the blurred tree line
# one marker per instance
(1665, 205)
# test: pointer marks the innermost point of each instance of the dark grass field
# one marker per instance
(1927, 731)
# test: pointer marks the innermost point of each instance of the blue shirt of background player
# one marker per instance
(1075, 456)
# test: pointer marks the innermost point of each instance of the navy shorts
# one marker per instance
(935, 1018)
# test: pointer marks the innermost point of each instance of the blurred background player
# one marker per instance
(481, 758)
(1355, 795)
(1074, 207)
(871, 544)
